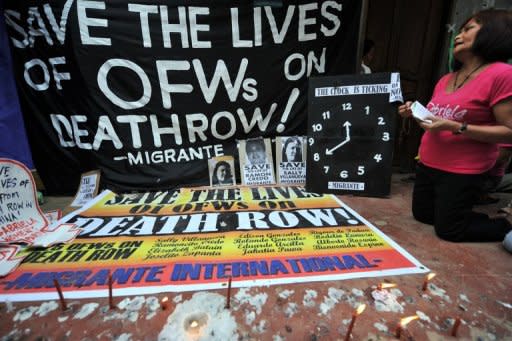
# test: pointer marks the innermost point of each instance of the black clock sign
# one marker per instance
(351, 129)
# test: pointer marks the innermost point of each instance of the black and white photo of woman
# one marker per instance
(222, 174)
(292, 150)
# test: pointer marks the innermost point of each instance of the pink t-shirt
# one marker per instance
(473, 104)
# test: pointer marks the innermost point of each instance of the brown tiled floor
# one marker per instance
(476, 278)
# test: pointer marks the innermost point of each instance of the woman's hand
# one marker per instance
(435, 124)
(439, 124)
(405, 109)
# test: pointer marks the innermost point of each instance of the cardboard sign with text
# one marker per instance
(21, 219)
(88, 188)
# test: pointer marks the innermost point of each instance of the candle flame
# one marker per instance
(386, 285)
(405, 321)
(194, 326)
(360, 309)
(431, 275)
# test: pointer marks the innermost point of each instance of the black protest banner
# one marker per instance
(148, 91)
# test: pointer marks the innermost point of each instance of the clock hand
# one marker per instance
(347, 125)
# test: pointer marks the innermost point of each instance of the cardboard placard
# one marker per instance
(256, 164)
(291, 160)
(88, 188)
(21, 219)
(351, 133)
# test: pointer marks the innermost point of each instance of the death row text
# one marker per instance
(212, 222)
(75, 130)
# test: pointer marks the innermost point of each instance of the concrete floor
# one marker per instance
(473, 282)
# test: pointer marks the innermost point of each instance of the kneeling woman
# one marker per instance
(472, 110)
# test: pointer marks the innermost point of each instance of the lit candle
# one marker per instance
(381, 286)
(455, 327)
(355, 314)
(403, 322)
(228, 299)
(427, 279)
(110, 296)
(194, 330)
(164, 304)
(63, 304)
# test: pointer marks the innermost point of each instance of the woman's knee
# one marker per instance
(449, 231)
(422, 217)
(449, 237)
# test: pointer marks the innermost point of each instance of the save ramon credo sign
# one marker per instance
(148, 91)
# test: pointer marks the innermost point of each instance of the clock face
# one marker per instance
(350, 136)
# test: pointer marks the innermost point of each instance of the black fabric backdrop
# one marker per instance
(118, 119)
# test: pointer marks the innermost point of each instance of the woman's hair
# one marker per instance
(287, 142)
(493, 42)
(226, 166)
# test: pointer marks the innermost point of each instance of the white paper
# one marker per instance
(64, 233)
(53, 216)
(420, 112)
(393, 88)
(86, 190)
(8, 260)
(395, 93)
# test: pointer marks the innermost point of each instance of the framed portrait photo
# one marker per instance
(256, 164)
(291, 159)
(222, 171)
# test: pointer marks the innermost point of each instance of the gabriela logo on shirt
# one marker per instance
(446, 111)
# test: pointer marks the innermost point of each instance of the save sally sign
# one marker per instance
(196, 239)
(147, 92)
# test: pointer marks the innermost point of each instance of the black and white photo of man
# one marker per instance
(256, 163)
(256, 151)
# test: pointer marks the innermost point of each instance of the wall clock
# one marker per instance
(351, 129)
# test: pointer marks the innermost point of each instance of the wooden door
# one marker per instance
(408, 37)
